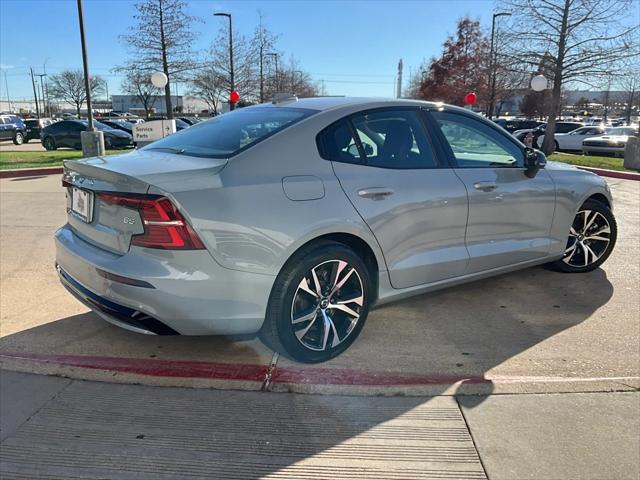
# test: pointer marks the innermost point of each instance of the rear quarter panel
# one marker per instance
(247, 221)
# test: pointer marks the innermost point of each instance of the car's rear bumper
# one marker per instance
(173, 292)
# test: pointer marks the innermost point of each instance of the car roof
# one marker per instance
(329, 103)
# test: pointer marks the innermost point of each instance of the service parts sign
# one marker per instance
(154, 130)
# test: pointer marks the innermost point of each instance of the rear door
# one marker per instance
(510, 212)
(413, 202)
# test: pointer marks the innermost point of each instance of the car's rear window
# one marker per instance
(228, 134)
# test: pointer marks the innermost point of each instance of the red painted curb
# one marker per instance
(30, 172)
(281, 375)
(612, 173)
(155, 368)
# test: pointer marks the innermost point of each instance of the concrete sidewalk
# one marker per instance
(59, 428)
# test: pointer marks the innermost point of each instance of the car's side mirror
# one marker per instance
(534, 159)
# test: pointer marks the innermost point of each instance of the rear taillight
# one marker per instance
(164, 225)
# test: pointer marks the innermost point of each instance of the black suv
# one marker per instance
(12, 128)
(34, 127)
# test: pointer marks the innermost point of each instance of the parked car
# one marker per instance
(180, 124)
(191, 120)
(572, 141)
(34, 126)
(293, 219)
(67, 134)
(12, 128)
(514, 124)
(119, 124)
(561, 127)
(612, 143)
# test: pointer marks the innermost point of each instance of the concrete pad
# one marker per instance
(22, 396)
(98, 430)
(573, 436)
(529, 331)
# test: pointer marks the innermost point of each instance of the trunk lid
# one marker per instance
(111, 226)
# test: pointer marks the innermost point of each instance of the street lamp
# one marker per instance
(275, 56)
(492, 63)
(92, 140)
(232, 86)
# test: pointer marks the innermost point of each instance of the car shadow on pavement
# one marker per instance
(507, 326)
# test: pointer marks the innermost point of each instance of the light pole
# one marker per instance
(275, 56)
(492, 63)
(232, 87)
(92, 140)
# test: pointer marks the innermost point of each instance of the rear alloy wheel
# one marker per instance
(319, 303)
(592, 237)
(49, 144)
(19, 138)
(107, 144)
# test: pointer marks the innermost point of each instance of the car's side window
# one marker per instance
(337, 143)
(394, 139)
(475, 144)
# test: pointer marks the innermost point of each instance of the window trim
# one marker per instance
(441, 162)
(444, 143)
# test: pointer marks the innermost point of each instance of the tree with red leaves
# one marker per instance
(462, 68)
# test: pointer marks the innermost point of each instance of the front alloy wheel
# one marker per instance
(592, 237)
(318, 304)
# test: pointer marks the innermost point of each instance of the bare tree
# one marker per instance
(68, 86)
(264, 42)
(245, 60)
(296, 81)
(161, 40)
(583, 39)
(629, 83)
(206, 84)
(139, 84)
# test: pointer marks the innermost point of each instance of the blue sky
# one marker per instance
(353, 46)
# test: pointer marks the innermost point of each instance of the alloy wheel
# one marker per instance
(326, 305)
(589, 239)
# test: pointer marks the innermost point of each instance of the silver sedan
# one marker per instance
(293, 219)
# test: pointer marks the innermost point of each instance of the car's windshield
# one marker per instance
(623, 131)
(227, 134)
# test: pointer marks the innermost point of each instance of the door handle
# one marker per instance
(375, 192)
(485, 186)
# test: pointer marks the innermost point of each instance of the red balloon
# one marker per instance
(470, 98)
(234, 97)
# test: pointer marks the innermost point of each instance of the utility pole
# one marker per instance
(6, 86)
(232, 86)
(44, 106)
(35, 93)
(399, 89)
(492, 64)
(92, 141)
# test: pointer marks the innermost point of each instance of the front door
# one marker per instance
(510, 212)
(415, 206)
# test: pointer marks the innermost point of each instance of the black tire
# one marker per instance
(556, 147)
(19, 138)
(278, 331)
(107, 144)
(576, 248)
(49, 143)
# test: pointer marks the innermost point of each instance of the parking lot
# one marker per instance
(529, 331)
